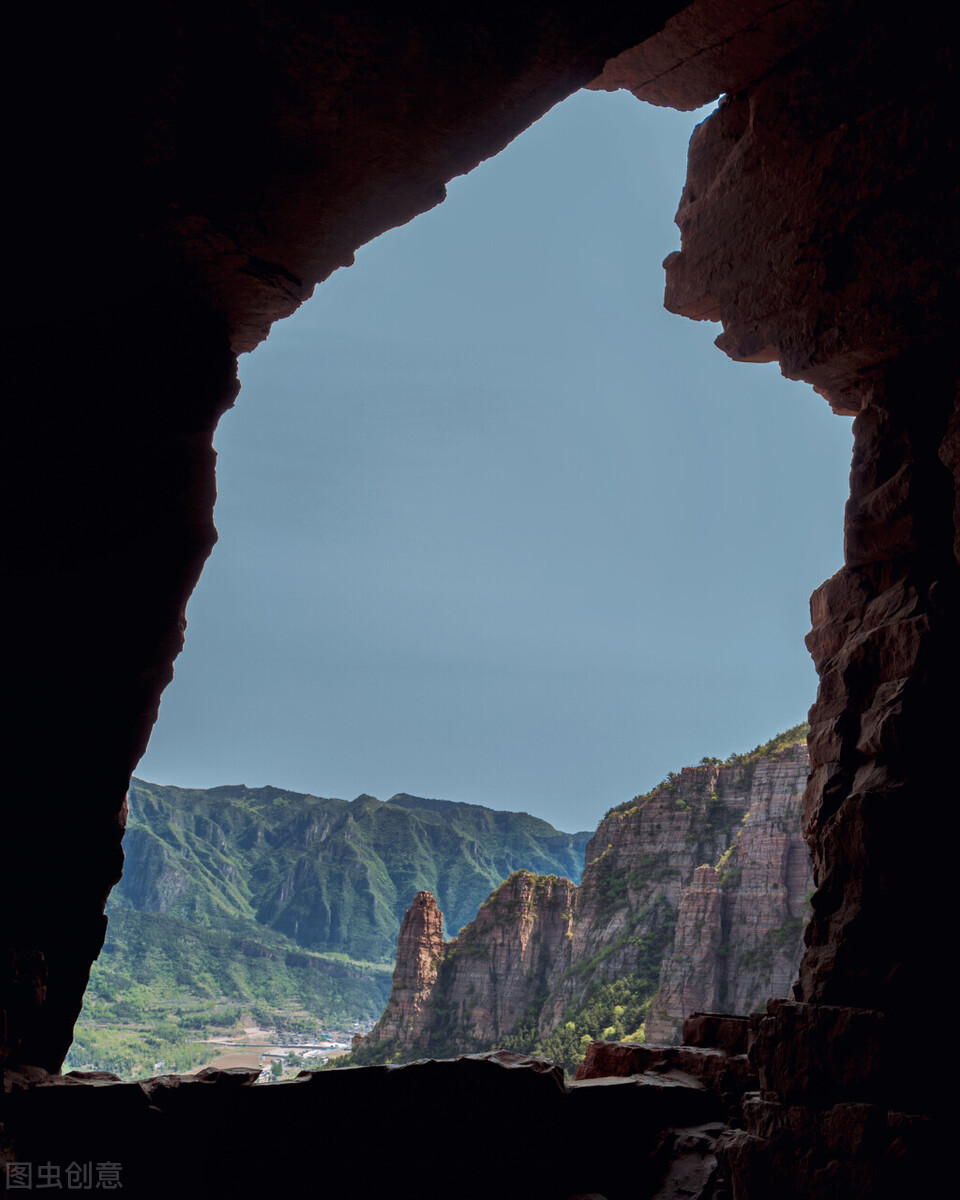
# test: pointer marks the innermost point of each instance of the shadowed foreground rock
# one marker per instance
(816, 1103)
(496, 1125)
(809, 1110)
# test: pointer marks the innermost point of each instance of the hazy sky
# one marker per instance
(494, 526)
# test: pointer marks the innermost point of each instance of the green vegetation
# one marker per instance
(785, 935)
(730, 878)
(759, 956)
(330, 875)
(387, 1052)
(781, 940)
(652, 868)
(728, 868)
(610, 882)
(162, 985)
(644, 950)
(132, 1053)
(777, 744)
(612, 1011)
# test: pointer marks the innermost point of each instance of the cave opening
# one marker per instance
(483, 501)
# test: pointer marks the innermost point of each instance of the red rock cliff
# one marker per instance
(701, 885)
(483, 982)
(739, 933)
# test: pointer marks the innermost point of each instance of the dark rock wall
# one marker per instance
(885, 645)
(811, 227)
(494, 1125)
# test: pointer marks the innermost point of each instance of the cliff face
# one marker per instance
(694, 897)
(739, 933)
(496, 968)
(483, 982)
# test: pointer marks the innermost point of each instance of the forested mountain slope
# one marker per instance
(332, 875)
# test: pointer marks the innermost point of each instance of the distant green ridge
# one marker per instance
(329, 874)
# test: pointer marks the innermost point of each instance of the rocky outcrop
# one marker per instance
(696, 893)
(420, 950)
(707, 875)
(497, 966)
(471, 992)
(495, 970)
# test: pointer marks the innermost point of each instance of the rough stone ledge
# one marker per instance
(493, 1124)
(720, 1030)
(727, 1077)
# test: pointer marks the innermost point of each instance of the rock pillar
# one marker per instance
(420, 950)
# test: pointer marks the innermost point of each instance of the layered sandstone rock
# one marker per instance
(692, 974)
(710, 875)
(740, 928)
(720, 934)
(493, 971)
(469, 993)
(640, 862)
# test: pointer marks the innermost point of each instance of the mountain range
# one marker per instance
(331, 875)
(263, 904)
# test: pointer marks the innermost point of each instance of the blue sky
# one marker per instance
(494, 526)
